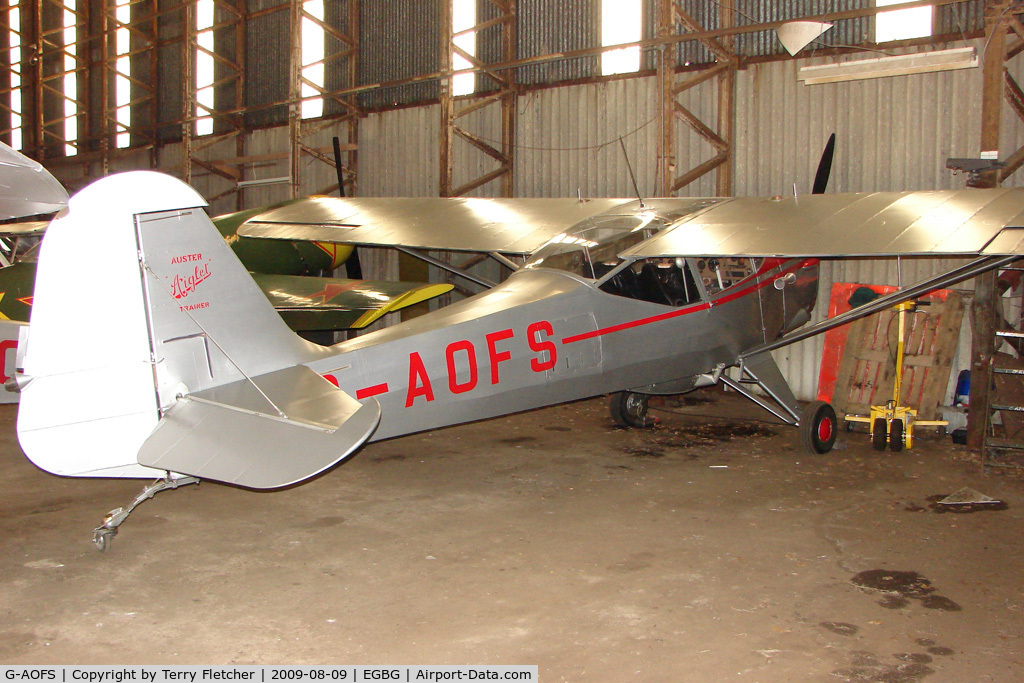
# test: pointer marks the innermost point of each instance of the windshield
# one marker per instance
(593, 249)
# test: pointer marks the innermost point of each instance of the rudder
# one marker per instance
(166, 311)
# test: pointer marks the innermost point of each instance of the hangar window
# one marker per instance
(69, 77)
(312, 59)
(621, 22)
(902, 24)
(204, 66)
(14, 50)
(123, 72)
(463, 20)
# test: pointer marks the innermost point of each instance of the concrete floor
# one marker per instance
(702, 550)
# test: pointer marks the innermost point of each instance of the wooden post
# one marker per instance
(447, 103)
(727, 100)
(983, 308)
(666, 84)
(983, 327)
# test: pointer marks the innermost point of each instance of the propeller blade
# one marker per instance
(353, 269)
(824, 166)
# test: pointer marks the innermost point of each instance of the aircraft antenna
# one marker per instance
(632, 177)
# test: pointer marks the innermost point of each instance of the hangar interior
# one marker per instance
(709, 103)
(244, 99)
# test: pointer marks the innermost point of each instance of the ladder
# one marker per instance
(997, 381)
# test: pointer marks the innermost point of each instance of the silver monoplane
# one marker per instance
(190, 374)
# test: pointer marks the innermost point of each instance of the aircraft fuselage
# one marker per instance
(546, 336)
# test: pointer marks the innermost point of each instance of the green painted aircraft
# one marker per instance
(286, 271)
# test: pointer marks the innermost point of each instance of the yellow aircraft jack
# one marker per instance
(892, 423)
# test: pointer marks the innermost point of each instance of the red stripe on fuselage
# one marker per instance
(770, 264)
(376, 389)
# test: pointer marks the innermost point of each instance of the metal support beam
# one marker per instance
(341, 55)
(673, 21)
(504, 99)
(225, 115)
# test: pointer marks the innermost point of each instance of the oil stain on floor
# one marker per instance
(899, 588)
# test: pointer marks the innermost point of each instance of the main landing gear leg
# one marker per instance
(104, 533)
(816, 424)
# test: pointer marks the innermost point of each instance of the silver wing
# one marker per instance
(513, 226)
(26, 188)
(940, 223)
(934, 223)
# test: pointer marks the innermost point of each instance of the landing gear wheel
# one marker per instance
(818, 428)
(629, 409)
(102, 537)
(896, 436)
(879, 434)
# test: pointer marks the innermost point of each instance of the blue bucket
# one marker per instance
(963, 388)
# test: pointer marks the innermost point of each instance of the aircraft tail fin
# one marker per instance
(164, 331)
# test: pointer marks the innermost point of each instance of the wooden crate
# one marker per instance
(866, 371)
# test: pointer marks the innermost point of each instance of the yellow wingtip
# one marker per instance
(413, 296)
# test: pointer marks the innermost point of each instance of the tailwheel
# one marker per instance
(629, 409)
(879, 434)
(818, 427)
(896, 436)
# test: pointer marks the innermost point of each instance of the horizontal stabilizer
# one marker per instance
(295, 425)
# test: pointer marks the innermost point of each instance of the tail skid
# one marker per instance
(188, 360)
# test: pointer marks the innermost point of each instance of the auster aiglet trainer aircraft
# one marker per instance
(187, 372)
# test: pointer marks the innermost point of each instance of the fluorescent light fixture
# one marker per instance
(900, 65)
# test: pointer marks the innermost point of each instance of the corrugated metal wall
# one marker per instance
(399, 39)
(549, 27)
(568, 139)
(266, 64)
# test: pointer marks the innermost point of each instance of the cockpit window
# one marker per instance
(667, 281)
(593, 250)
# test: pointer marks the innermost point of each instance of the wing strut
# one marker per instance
(761, 369)
(969, 270)
(483, 282)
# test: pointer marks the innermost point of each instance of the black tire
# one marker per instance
(818, 428)
(629, 409)
(879, 434)
(896, 436)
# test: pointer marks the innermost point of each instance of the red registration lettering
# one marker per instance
(453, 380)
(419, 382)
(494, 355)
(5, 346)
(540, 346)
